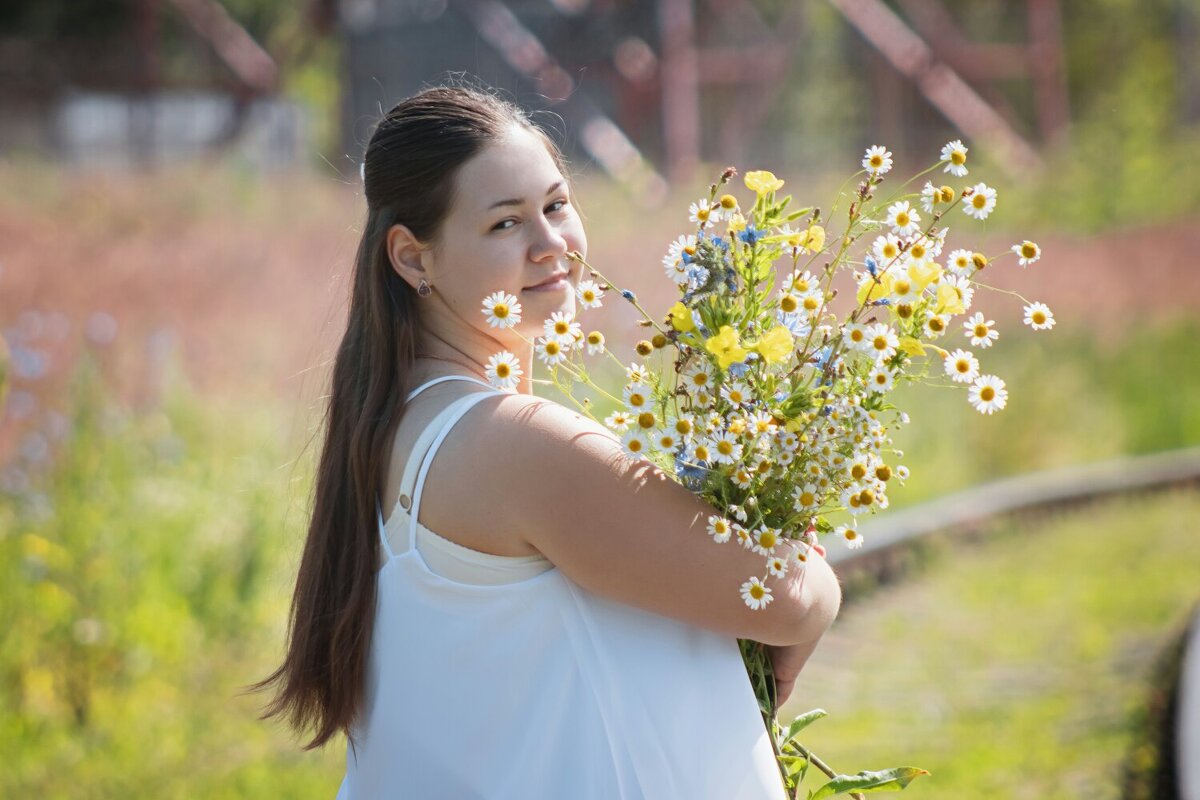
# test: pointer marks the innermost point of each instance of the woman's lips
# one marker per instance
(552, 286)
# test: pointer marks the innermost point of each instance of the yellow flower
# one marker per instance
(911, 346)
(775, 344)
(876, 290)
(681, 318)
(949, 301)
(737, 222)
(761, 181)
(725, 347)
(814, 238)
(923, 273)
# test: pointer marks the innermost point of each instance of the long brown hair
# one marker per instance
(408, 178)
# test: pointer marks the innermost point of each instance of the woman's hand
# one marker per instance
(787, 661)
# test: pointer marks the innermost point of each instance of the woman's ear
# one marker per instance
(404, 251)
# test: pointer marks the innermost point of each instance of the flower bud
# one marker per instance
(644, 348)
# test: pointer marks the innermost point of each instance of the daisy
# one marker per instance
(962, 287)
(503, 310)
(589, 293)
(1027, 252)
(549, 351)
(704, 213)
(636, 443)
(877, 160)
(1038, 316)
(789, 441)
(880, 379)
(683, 425)
(811, 302)
(755, 594)
(988, 394)
(619, 420)
(850, 534)
(719, 528)
(960, 262)
(805, 497)
(561, 328)
(674, 263)
(762, 422)
(699, 375)
(666, 441)
(765, 540)
(736, 393)
(903, 289)
(726, 449)
(799, 557)
(881, 341)
(930, 194)
(902, 473)
(504, 370)
(955, 156)
(637, 373)
(961, 366)
(936, 325)
(904, 221)
(700, 453)
(742, 478)
(738, 512)
(980, 332)
(636, 396)
(595, 342)
(886, 248)
(981, 202)
(855, 334)
(799, 282)
(777, 566)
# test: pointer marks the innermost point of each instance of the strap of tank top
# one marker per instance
(433, 381)
(461, 407)
(387, 548)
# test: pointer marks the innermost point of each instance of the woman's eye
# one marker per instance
(497, 226)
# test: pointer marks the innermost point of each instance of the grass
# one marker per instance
(1016, 666)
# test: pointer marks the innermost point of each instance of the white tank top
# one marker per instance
(522, 685)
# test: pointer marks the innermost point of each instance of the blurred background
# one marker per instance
(179, 208)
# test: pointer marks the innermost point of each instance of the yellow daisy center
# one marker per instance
(958, 157)
(646, 419)
(702, 214)
(756, 591)
(502, 370)
(683, 426)
(552, 348)
(881, 378)
(637, 399)
(561, 327)
(787, 303)
(500, 310)
(810, 303)
(594, 337)
(936, 325)
(856, 335)
(800, 286)
(902, 287)
(1029, 250)
(635, 445)
(981, 330)
(962, 365)
(902, 219)
(724, 447)
(880, 343)
(979, 260)
(858, 471)
(978, 200)
(701, 452)
(767, 539)
(700, 378)
(917, 251)
(890, 251)
(947, 194)
(806, 498)
(904, 310)
(728, 201)
(851, 534)
(877, 161)
(589, 295)
(866, 497)
(987, 393)
(1038, 317)
(883, 472)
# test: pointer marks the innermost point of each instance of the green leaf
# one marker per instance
(803, 721)
(793, 764)
(884, 780)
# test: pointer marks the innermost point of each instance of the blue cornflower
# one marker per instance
(738, 368)
(628, 295)
(872, 265)
(749, 234)
(823, 356)
(884, 302)
(825, 411)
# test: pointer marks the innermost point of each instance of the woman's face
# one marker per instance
(510, 227)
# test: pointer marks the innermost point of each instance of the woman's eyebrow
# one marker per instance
(516, 201)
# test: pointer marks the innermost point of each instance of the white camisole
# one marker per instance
(498, 677)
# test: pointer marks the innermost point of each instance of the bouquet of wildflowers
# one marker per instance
(768, 403)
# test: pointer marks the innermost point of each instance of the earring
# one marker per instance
(424, 289)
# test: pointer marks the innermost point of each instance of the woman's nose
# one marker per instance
(550, 241)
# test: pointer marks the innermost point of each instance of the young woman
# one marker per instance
(531, 613)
